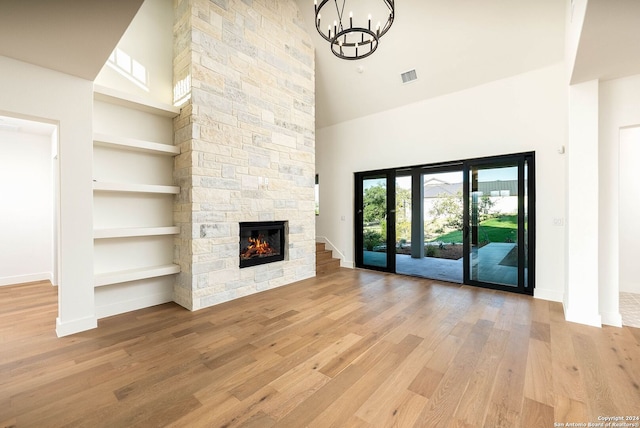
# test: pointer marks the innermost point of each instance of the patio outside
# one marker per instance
(495, 248)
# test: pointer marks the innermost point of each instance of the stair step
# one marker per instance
(323, 255)
(328, 266)
(325, 263)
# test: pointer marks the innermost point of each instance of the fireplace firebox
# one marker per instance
(262, 242)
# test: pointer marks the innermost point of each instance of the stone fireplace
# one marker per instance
(247, 145)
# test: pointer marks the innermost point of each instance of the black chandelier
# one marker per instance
(347, 41)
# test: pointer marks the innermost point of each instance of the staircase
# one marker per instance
(325, 263)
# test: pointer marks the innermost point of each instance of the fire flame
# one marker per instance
(257, 247)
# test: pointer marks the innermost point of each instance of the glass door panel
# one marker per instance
(404, 216)
(497, 223)
(375, 219)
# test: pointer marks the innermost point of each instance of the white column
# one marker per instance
(581, 290)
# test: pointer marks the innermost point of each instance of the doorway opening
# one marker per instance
(29, 182)
(628, 232)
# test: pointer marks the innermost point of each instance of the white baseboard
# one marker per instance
(75, 326)
(21, 279)
(551, 295)
(142, 302)
(594, 320)
(612, 318)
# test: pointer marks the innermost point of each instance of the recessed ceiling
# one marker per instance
(72, 36)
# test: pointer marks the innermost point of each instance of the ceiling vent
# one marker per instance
(409, 76)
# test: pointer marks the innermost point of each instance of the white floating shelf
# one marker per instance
(118, 277)
(112, 96)
(134, 144)
(129, 232)
(139, 188)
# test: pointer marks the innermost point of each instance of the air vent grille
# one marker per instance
(409, 76)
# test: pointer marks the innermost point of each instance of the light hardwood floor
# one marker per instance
(349, 349)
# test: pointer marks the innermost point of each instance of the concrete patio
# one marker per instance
(488, 258)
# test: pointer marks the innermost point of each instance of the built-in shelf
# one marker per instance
(118, 277)
(129, 232)
(112, 96)
(133, 144)
(132, 187)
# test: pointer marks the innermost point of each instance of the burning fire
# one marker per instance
(257, 247)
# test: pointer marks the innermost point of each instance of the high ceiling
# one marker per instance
(452, 44)
(458, 44)
(72, 36)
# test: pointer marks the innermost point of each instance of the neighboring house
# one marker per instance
(503, 194)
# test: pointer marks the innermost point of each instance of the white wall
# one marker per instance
(37, 92)
(26, 217)
(619, 108)
(149, 41)
(527, 112)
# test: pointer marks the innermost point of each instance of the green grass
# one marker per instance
(496, 229)
(455, 236)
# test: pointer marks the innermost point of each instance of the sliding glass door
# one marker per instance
(497, 223)
(467, 221)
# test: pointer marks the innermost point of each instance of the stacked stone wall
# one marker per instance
(247, 144)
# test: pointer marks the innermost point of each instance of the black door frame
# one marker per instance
(390, 176)
(521, 159)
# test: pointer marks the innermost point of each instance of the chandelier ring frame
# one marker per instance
(372, 43)
(340, 31)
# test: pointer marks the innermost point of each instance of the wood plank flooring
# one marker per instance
(350, 349)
